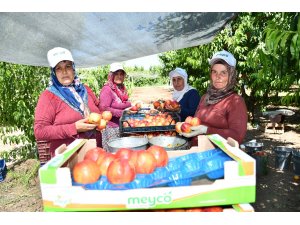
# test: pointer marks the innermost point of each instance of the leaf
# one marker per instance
(293, 46)
(284, 39)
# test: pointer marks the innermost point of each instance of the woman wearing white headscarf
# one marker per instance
(187, 96)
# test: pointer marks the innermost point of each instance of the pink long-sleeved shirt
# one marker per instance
(227, 118)
(54, 120)
(111, 102)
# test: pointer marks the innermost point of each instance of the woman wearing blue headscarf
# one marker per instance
(62, 109)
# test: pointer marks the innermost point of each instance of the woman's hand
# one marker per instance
(83, 125)
(196, 130)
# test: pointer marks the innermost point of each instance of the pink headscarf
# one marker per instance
(120, 89)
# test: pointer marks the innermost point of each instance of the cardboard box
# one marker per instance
(238, 185)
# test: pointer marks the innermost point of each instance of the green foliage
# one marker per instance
(22, 86)
(95, 78)
(266, 46)
(282, 38)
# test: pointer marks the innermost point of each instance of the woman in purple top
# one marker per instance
(114, 98)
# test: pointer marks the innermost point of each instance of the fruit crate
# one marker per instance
(3, 170)
(140, 116)
(237, 187)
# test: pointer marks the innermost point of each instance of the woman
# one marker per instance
(187, 96)
(221, 110)
(114, 98)
(62, 109)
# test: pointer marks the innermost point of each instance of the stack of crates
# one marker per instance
(44, 151)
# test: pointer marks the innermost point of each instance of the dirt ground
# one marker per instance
(275, 192)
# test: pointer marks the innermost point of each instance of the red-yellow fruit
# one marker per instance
(85, 172)
(102, 124)
(178, 127)
(145, 163)
(160, 155)
(195, 121)
(188, 119)
(186, 127)
(94, 118)
(106, 115)
(120, 171)
(94, 153)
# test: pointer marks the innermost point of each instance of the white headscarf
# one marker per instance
(179, 72)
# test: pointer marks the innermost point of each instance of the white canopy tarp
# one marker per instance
(102, 38)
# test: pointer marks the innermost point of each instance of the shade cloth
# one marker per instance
(102, 38)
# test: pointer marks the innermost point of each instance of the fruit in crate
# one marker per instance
(94, 118)
(120, 171)
(149, 120)
(146, 162)
(94, 153)
(178, 127)
(138, 105)
(134, 108)
(160, 154)
(107, 159)
(213, 209)
(106, 115)
(124, 153)
(86, 171)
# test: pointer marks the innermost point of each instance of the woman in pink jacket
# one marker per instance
(114, 98)
(62, 109)
(221, 110)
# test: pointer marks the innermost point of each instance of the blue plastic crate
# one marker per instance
(3, 170)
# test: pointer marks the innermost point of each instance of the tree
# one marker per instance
(21, 87)
(263, 71)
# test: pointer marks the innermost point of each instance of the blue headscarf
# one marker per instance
(65, 94)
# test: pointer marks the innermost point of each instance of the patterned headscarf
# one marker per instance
(67, 93)
(119, 89)
(215, 95)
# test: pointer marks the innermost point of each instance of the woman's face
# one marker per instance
(119, 77)
(178, 83)
(64, 72)
(219, 76)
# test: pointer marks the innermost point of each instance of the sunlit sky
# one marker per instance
(146, 62)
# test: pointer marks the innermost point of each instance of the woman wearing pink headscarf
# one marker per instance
(114, 98)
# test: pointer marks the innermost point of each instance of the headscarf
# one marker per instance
(215, 95)
(75, 94)
(119, 89)
(178, 72)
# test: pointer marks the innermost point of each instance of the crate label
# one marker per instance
(149, 201)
